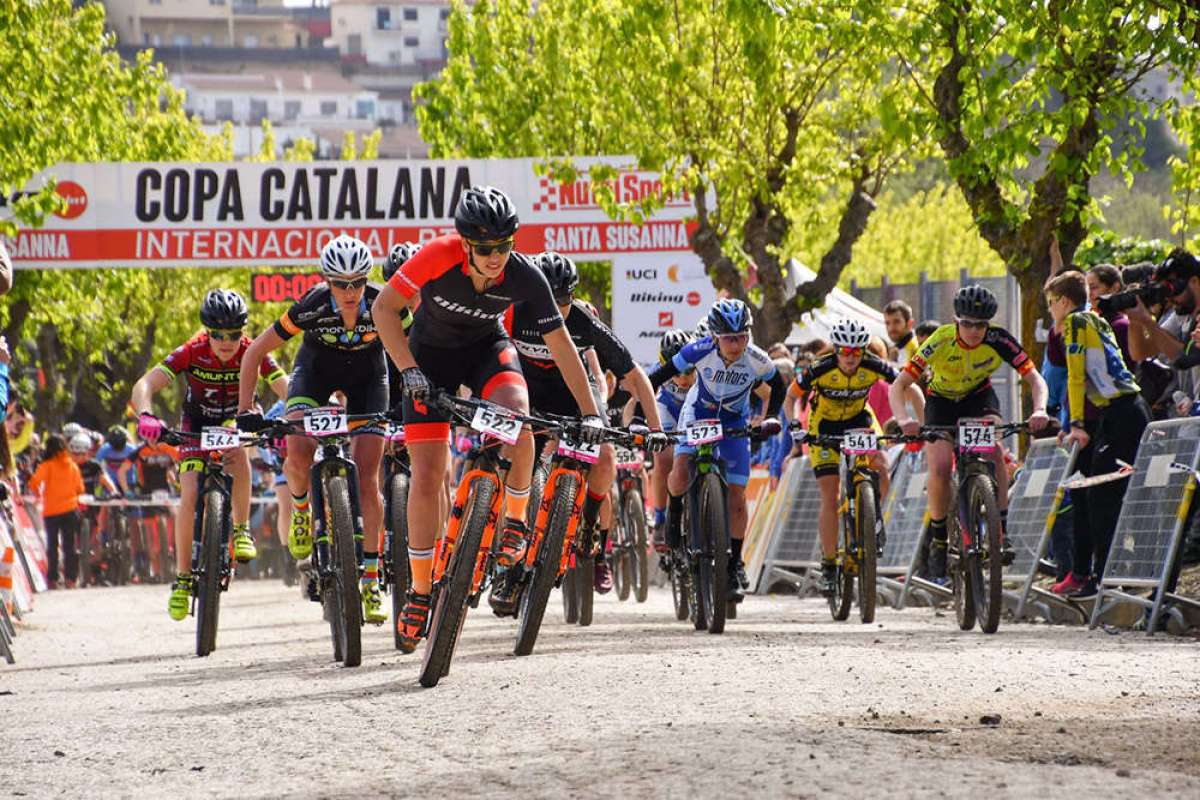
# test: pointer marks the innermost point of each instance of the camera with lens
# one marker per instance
(1141, 283)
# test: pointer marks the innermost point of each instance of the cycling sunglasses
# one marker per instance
(851, 351)
(502, 248)
(974, 324)
(733, 337)
(225, 336)
(346, 286)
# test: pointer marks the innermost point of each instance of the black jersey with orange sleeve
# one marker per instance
(452, 313)
(316, 315)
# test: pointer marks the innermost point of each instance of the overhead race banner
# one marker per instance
(282, 214)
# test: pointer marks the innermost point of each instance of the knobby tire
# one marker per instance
(208, 586)
(545, 568)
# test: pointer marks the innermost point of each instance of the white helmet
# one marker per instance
(71, 430)
(80, 443)
(849, 333)
(345, 257)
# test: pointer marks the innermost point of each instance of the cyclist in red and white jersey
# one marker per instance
(465, 282)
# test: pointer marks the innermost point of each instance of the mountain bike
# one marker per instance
(862, 537)
(555, 545)
(212, 558)
(463, 558)
(394, 575)
(700, 571)
(630, 553)
(975, 556)
(337, 519)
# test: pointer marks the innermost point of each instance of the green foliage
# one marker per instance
(1106, 247)
(931, 231)
(1184, 212)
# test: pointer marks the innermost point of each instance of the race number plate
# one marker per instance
(860, 442)
(396, 434)
(977, 435)
(329, 421)
(493, 423)
(703, 432)
(587, 453)
(218, 438)
(630, 459)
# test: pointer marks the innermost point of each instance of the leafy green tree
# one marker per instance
(1184, 212)
(761, 112)
(1025, 100)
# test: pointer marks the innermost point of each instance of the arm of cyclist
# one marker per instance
(562, 349)
(1037, 389)
(896, 396)
(150, 384)
(663, 373)
(777, 392)
(387, 311)
(263, 345)
(638, 384)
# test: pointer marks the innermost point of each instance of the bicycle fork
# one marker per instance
(223, 485)
(444, 549)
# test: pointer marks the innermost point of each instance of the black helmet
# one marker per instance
(671, 343)
(560, 273)
(223, 309)
(396, 259)
(485, 214)
(729, 316)
(117, 437)
(975, 302)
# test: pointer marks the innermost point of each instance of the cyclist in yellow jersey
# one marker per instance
(961, 358)
(839, 384)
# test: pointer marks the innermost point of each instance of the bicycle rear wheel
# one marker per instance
(622, 571)
(713, 562)
(398, 522)
(635, 536)
(545, 568)
(960, 577)
(865, 545)
(208, 582)
(985, 564)
(680, 590)
(450, 607)
(345, 569)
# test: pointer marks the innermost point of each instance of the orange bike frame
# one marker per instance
(445, 545)
(544, 514)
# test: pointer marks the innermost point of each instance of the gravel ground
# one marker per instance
(106, 700)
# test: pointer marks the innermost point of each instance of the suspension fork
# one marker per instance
(444, 549)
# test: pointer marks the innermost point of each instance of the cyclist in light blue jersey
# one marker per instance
(728, 368)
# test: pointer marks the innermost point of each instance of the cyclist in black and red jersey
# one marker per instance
(210, 362)
(548, 393)
(340, 352)
(465, 282)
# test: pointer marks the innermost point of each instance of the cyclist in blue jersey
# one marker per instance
(727, 367)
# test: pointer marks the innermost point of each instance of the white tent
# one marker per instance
(838, 304)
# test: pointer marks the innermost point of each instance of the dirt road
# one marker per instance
(106, 700)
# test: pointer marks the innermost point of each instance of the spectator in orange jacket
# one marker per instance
(59, 483)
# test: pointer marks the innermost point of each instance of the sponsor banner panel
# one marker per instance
(158, 214)
(655, 292)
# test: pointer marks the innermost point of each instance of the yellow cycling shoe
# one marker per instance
(300, 535)
(243, 547)
(372, 603)
(181, 597)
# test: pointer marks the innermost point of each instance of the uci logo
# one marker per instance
(641, 274)
(708, 373)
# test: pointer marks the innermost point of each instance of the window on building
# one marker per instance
(410, 15)
(444, 14)
(411, 41)
(213, 2)
(156, 2)
(223, 110)
(354, 44)
(291, 109)
(181, 40)
(258, 110)
(250, 40)
(206, 40)
(383, 19)
(364, 109)
(329, 108)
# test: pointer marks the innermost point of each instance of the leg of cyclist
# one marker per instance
(827, 523)
(429, 456)
(663, 462)
(283, 506)
(598, 508)
(511, 392)
(941, 459)
(367, 452)
(300, 451)
(735, 453)
(677, 484)
(237, 464)
(189, 488)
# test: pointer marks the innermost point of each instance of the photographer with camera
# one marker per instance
(1175, 284)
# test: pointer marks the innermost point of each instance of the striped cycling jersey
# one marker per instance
(1095, 367)
(838, 396)
(959, 370)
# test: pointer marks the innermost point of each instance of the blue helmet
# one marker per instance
(729, 316)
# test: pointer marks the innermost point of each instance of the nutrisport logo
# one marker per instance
(580, 194)
(75, 196)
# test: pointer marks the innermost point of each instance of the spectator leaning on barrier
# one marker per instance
(1177, 282)
(1097, 372)
(59, 483)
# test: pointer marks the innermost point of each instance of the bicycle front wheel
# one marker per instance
(712, 568)
(453, 594)
(348, 620)
(622, 572)
(85, 551)
(865, 545)
(545, 569)
(985, 563)
(398, 520)
(585, 586)
(635, 537)
(208, 581)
